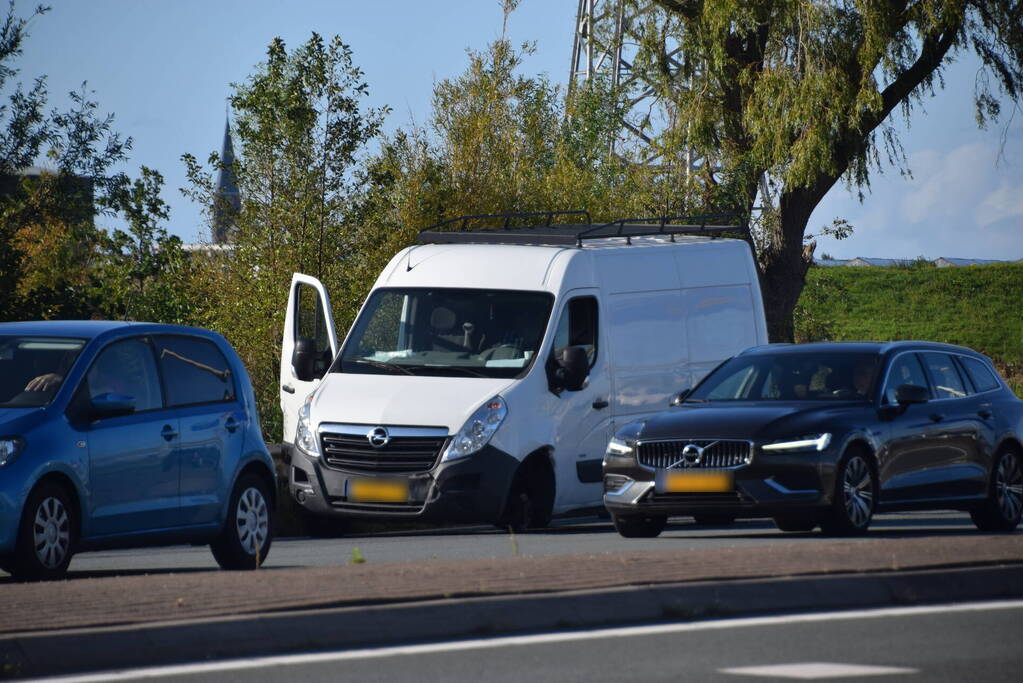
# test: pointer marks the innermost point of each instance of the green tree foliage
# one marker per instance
(796, 95)
(300, 129)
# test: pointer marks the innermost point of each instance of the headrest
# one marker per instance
(442, 318)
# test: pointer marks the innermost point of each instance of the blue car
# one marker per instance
(120, 434)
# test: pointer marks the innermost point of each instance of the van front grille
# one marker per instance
(695, 453)
(401, 454)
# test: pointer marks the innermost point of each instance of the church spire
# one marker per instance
(227, 202)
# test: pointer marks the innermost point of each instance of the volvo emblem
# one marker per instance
(692, 455)
(378, 437)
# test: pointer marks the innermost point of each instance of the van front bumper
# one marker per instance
(470, 489)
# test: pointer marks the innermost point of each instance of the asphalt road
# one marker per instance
(958, 643)
(565, 537)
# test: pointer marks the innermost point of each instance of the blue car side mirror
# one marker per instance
(112, 405)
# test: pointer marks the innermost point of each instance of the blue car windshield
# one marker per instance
(32, 369)
(810, 376)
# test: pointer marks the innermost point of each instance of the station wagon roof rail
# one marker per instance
(545, 233)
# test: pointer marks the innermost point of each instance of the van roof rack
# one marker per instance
(547, 233)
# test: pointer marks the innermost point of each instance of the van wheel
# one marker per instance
(245, 539)
(639, 526)
(530, 500)
(714, 520)
(1001, 511)
(854, 498)
(46, 538)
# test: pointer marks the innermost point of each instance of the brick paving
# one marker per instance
(107, 601)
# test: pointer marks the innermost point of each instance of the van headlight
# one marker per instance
(811, 442)
(477, 430)
(305, 437)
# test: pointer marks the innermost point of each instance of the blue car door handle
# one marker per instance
(231, 424)
(168, 432)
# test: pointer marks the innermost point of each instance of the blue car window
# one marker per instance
(195, 371)
(905, 369)
(127, 367)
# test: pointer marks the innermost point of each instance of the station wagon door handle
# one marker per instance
(168, 432)
(231, 424)
(288, 388)
(600, 404)
(937, 417)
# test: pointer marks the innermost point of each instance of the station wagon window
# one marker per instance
(947, 381)
(787, 376)
(979, 372)
(905, 369)
(128, 368)
(578, 327)
(195, 371)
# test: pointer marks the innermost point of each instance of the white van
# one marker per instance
(487, 369)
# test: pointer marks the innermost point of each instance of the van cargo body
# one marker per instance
(482, 382)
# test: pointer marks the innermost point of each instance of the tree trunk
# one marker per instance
(784, 263)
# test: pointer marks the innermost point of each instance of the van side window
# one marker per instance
(947, 382)
(578, 327)
(311, 324)
(904, 370)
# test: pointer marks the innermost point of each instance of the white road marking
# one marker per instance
(517, 641)
(809, 671)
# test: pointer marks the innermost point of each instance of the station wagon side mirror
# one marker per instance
(571, 368)
(303, 360)
(111, 405)
(680, 397)
(908, 394)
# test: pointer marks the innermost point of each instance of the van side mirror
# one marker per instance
(570, 370)
(680, 397)
(907, 394)
(111, 405)
(303, 360)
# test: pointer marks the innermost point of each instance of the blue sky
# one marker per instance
(165, 68)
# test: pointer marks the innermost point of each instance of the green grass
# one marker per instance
(976, 306)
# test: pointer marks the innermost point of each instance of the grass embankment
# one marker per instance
(976, 306)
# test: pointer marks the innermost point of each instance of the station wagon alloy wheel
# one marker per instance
(1009, 487)
(252, 520)
(857, 486)
(51, 530)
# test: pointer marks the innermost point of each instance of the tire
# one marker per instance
(1001, 511)
(795, 524)
(245, 539)
(530, 501)
(47, 534)
(714, 520)
(854, 499)
(639, 526)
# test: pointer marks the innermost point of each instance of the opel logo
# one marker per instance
(378, 437)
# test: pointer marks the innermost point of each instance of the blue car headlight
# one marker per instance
(10, 447)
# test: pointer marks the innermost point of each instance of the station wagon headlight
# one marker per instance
(623, 443)
(813, 442)
(477, 430)
(305, 438)
(9, 449)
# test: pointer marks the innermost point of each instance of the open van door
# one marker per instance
(308, 347)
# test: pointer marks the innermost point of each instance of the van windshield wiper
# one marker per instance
(383, 365)
(456, 368)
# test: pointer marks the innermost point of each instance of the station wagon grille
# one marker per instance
(401, 455)
(708, 453)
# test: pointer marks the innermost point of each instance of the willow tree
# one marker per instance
(789, 96)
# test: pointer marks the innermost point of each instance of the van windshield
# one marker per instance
(32, 369)
(447, 332)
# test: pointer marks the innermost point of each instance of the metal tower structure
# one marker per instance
(608, 35)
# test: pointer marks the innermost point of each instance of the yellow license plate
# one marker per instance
(698, 482)
(378, 490)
